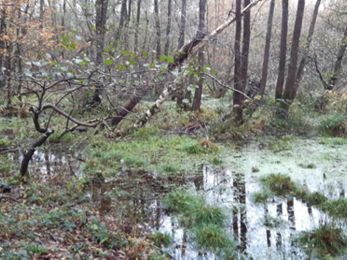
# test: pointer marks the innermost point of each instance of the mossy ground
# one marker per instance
(102, 224)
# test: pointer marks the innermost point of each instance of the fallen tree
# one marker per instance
(184, 55)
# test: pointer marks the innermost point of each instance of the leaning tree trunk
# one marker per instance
(338, 63)
(309, 38)
(186, 53)
(24, 174)
(283, 51)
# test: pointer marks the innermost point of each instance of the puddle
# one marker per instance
(230, 187)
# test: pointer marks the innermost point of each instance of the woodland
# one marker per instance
(117, 117)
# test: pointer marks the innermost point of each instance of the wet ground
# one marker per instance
(263, 231)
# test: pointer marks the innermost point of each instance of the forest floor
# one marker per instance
(106, 197)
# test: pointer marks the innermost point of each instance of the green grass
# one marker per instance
(337, 208)
(209, 215)
(178, 201)
(212, 236)
(263, 196)
(161, 238)
(279, 184)
(327, 240)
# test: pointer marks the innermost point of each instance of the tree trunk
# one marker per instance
(157, 25)
(24, 175)
(267, 49)
(237, 97)
(338, 63)
(146, 32)
(138, 15)
(182, 25)
(168, 28)
(123, 111)
(289, 92)
(184, 56)
(307, 47)
(100, 24)
(122, 20)
(283, 51)
(199, 35)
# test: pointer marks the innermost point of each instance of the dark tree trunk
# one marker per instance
(338, 63)
(123, 111)
(237, 97)
(289, 92)
(182, 25)
(146, 32)
(63, 18)
(245, 46)
(308, 44)
(100, 24)
(267, 49)
(24, 175)
(157, 25)
(168, 28)
(283, 51)
(199, 35)
(122, 20)
(138, 15)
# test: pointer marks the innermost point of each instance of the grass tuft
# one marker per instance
(327, 239)
(279, 184)
(212, 236)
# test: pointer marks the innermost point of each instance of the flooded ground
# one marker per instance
(263, 231)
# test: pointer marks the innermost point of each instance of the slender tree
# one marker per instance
(289, 91)
(200, 34)
(283, 51)
(138, 15)
(182, 25)
(267, 49)
(237, 97)
(309, 38)
(168, 28)
(157, 26)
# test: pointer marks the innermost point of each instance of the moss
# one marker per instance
(279, 184)
(4, 143)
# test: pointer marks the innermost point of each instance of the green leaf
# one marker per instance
(94, 226)
(93, 28)
(53, 63)
(111, 45)
(109, 61)
(120, 68)
(111, 27)
(170, 59)
(163, 57)
(103, 240)
(136, 82)
(214, 72)
(74, 31)
(124, 52)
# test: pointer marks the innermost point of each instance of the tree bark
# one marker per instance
(289, 92)
(24, 175)
(267, 50)
(100, 24)
(138, 15)
(157, 25)
(185, 54)
(338, 63)
(283, 51)
(200, 34)
(302, 63)
(182, 25)
(123, 111)
(237, 97)
(122, 20)
(168, 28)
